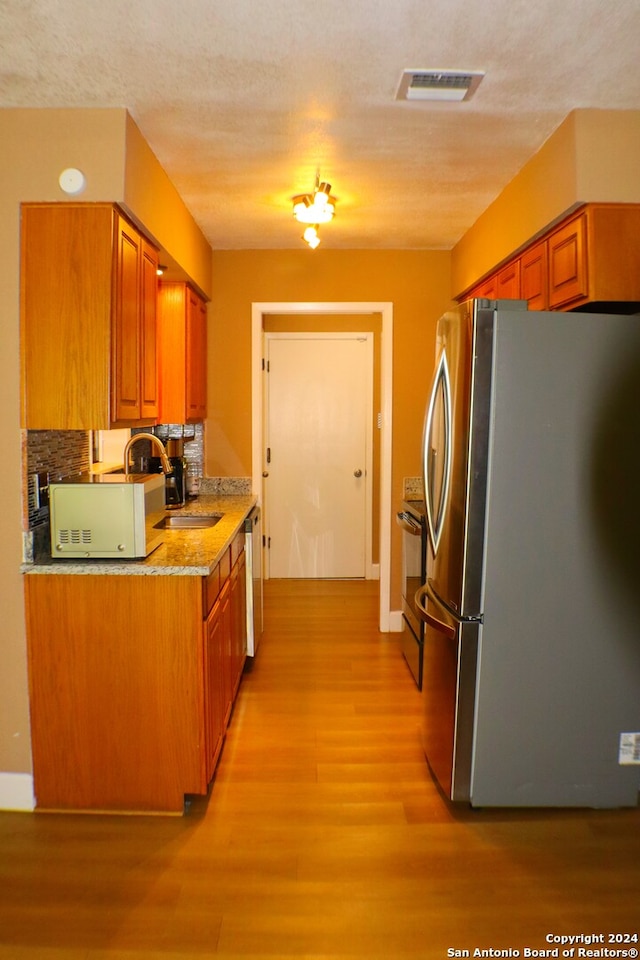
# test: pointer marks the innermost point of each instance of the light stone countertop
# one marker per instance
(192, 552)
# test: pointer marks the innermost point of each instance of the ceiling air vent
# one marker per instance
(437, 85)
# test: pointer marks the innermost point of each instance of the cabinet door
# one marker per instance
(214, 658)
(568, 279)
(196, 386)
(149, 403)
(225, 646)
(172, 349)
(238, 621)
(126, 346)
(487, 289)
(183, 354)
(533, 276)
(65, 315)
(508, 281)
(116, 724)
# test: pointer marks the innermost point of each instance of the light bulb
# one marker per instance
(301, 205)
(311, 236)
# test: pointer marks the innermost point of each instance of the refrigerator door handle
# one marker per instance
(436, 511)
(447, 629)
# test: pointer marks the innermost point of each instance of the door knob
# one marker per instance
(357, 473)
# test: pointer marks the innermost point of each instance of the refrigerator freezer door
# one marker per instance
(449, 683)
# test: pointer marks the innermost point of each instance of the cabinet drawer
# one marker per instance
(210, 589)
(225, 566)
(237, 547)
(213, 584)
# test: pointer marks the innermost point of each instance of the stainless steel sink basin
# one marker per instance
(176, 522)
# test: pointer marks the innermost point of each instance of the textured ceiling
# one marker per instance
(243, 101)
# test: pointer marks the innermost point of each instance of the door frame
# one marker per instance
(385, 309)
(371, 569)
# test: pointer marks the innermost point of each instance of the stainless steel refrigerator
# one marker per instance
(531, 678)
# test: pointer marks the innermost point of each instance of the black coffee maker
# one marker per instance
(176, 481)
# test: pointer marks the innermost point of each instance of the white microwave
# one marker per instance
(106, 515)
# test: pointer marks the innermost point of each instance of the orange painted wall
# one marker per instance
(416, 282)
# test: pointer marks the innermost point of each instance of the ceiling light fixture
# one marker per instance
(313, 209)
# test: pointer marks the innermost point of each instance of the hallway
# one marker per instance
(323, 836)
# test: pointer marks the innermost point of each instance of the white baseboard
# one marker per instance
(16, 792)
(396, 623)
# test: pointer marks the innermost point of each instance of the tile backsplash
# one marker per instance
(59, 453)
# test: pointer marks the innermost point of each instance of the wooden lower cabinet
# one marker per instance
(215, 657)
(238, 623)
(131, 686)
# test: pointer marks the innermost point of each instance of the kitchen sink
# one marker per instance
(176, 522)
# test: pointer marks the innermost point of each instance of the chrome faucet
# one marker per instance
(164, 459)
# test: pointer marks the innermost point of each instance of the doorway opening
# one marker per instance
(385, 311)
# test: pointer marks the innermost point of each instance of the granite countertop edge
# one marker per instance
(194, 552)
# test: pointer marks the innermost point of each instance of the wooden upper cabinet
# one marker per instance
(533, 276)
(196, 392)
(613, 247)
(508, 281)
(126, 324)
(87, 319)
(149, 359)
(134, 341)
(567, 263)
(487, 289)
(182, 328)
(592, 257)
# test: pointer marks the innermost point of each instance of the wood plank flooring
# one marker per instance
(323, 836)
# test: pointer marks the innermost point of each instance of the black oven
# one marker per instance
(412, 520)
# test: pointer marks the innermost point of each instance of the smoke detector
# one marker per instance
(438, 85)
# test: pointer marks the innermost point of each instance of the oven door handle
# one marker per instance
(447, 629)
(408, 524)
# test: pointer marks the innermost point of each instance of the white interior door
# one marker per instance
(319, 399)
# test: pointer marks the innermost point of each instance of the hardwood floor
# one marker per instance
(323, 836)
